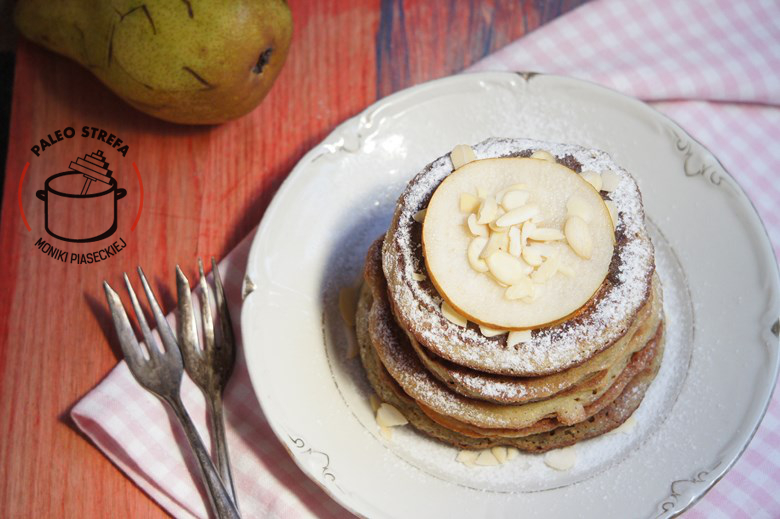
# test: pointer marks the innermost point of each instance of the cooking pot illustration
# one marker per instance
(81, 203)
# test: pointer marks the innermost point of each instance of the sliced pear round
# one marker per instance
(479, 297)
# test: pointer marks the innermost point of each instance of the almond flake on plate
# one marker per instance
(500, 453)
(561, 459)
(389, 416)
(467, 457)
(486, 459)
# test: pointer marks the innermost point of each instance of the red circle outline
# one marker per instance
(141, 204)
(21, 207)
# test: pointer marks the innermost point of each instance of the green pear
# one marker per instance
(186, 61)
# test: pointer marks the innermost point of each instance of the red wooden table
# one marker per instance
(205, 188)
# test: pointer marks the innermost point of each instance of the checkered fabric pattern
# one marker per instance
(712, 66)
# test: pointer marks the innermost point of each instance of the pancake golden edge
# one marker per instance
(602, 422)
(393, 349)
(517, 390)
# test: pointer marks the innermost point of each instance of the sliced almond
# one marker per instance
(514, 199)
(461, 155)
(545, 250)
(577, 206)
(521, 289)
(514, 187)
(452, 316)
(512, 453)
(476, 229)
(468, 203)
(487, 210)
(593, 178)
(528, 229)
(497, 241)
(546, 270)
(517, 337)
(389, 416)
(348, 305)
(467, 457)
(374, 402)
(500, 454)
(609, 181)
(543, 155)
(491, 332)
(561, 459)
(532, 256)
(386, 432)
(486, 459)
(578, 236)
(419, 216)
(545, 234)
(612, 211)
(518, 215)
(419, 276)
(506, 268)
(493, 226)
(515, 241)
(476, 247)
(482, 192)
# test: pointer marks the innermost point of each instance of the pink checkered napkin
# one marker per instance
(136, 432)
(711, 66)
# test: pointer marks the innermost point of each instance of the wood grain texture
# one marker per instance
(206, 188)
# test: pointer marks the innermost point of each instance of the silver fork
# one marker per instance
(208, 366)
(161, 374)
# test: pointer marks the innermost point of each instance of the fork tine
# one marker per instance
(127, 340)
(222, 308)
(205, 309)
(188, 335)
(151, 344)
(163, 328)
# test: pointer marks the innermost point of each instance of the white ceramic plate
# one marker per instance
(722, 303)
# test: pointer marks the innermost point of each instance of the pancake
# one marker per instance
(640, 361)
(599, 324)
(517, 390)
(603, 421)
(393, 348)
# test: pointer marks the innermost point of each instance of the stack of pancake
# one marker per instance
(564, 382)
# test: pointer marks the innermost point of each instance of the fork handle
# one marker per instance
(222, 458)
(220, 501)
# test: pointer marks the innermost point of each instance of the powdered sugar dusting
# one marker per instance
(528, 472)
(550, 349)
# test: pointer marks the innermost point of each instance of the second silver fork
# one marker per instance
(160, 372)
(210, 365)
